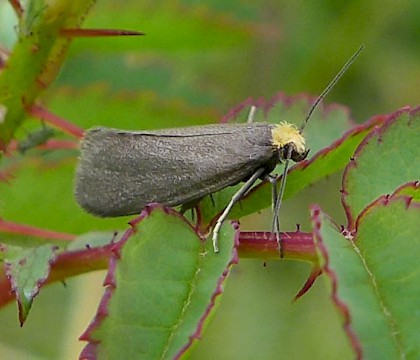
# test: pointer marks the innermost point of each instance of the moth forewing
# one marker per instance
(119, 172)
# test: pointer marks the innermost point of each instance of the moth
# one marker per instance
(119, 171)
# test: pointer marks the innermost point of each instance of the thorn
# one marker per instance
(315, 272)
(98, 32)
(17, 7)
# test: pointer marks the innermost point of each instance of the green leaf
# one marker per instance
(160, 290)
(374, 277)
(27, 272)
(388, 158)
(156, 112)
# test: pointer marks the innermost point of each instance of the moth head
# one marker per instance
(287, 139)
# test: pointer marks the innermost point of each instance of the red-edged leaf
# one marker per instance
(374, 276)
(27, 272)
(161, 287)
(386, 159)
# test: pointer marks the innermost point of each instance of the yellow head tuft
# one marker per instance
(286, 133)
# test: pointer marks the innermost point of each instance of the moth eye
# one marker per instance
(299, 156)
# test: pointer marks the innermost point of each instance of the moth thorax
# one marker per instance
(286, 137)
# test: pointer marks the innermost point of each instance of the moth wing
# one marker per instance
(119, 172)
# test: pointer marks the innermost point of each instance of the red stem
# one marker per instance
(296, 245)
(52, 119)
(21, 229)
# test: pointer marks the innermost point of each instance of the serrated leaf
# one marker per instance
(374, 277)
(388, 158)
(27, 272)
(331, 143)
(160, 291)
(412, 190)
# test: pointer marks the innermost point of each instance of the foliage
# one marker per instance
(161, 275)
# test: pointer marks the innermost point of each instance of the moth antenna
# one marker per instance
(277, 205)
(330, 86)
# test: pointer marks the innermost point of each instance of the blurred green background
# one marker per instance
(198, 60)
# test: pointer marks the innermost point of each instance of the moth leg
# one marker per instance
(235, 198)
(189, 205)
(212, 200)
(273, 182)
(195, 210)
(272, 179)
(276, 219)
(251, 114)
